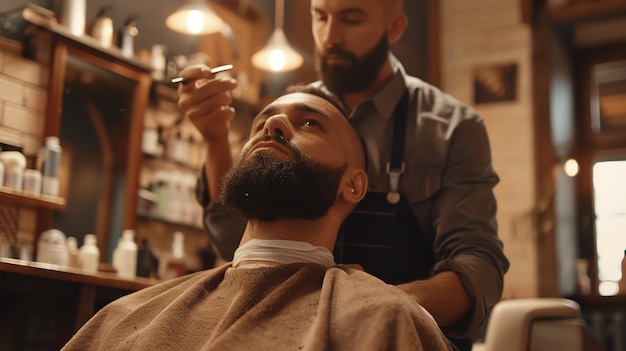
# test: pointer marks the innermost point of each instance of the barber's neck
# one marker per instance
(353, 100)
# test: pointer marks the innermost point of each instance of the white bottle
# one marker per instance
(73, 16)
(127, 37)
(14, 164)
(102, 28)
(172, 265)
(89, 254)
(51, 155)
(72, 252)
(125, 255)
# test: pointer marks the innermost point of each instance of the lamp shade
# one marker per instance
(195, 17)
(277, 55)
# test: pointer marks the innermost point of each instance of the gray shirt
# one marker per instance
(448, 182)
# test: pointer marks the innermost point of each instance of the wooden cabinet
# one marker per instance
(96, 101)
(43, 305)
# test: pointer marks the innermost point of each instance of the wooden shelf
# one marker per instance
(582, 11)
(32, 14)
(73, 275)
(167, 222)
(22, 198)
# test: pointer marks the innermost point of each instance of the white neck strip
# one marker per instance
(282, 252)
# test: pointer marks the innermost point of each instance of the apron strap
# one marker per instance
(396, 166)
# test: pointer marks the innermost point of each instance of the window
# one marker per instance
(609, 190)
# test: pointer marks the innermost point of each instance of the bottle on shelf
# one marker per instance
(162, 190)
(127, 37)
(52, 248)
(51, 156)
(89, 254)
(146, 262)
(172, 264)
(125, 255)
(14, 163)
(72, 252)
(175, 201)
(102, 27)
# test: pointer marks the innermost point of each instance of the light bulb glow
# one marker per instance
(277, 55)
(195, 18)
(277, 60)
(571, 167)
(195, 21)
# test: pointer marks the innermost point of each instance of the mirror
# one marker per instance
(96, 104)
(94, 132)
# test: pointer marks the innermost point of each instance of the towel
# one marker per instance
(300, 306)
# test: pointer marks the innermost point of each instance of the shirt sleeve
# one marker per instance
(223, 225)
(464, 213)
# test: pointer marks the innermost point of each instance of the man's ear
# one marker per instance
(397, 27)
(354, 186)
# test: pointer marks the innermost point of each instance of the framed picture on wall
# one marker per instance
(495, 83)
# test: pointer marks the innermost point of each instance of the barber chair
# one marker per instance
(537, 324)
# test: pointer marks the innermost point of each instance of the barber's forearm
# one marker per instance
(443, 296)
(219, 160)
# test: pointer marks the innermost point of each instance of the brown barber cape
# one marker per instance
(288, 307)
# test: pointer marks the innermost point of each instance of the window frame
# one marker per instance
(592, 146)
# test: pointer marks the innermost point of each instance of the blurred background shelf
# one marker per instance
(17, 197)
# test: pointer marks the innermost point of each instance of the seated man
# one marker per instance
(296, 180)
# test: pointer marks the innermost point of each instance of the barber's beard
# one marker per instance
(268, 188)
(358, 74)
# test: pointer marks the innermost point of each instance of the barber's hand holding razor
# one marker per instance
(206, 100)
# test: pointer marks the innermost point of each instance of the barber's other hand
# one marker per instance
(206, 100)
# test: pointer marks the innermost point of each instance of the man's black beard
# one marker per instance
(268, 188)
(358, 74)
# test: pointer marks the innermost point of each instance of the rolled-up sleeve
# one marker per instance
(466, 231)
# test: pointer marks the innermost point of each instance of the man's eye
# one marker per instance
(312, 123)
(352, 21)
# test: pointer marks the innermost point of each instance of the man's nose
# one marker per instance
(277, 126)
(332, 35)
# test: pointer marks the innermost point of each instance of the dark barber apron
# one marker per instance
(382, 235)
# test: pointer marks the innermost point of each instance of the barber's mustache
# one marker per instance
(338, 51)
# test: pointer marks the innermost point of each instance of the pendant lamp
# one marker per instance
(195, 17)
(277, 55)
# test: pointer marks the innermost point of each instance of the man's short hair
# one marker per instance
(334, 100)
(313, 90)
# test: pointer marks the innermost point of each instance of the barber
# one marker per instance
(428, 223)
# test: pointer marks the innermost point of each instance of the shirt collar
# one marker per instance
(386, 99)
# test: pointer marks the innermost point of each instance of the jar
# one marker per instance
(14, 164)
